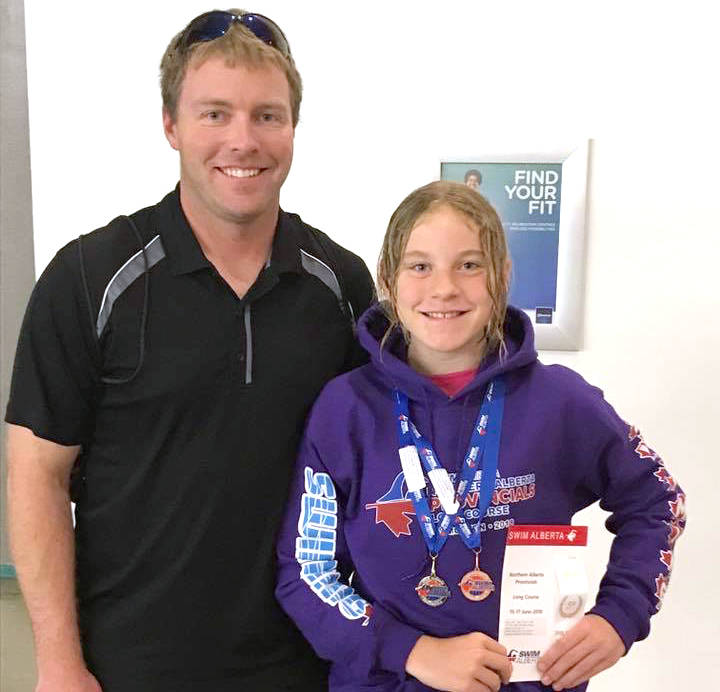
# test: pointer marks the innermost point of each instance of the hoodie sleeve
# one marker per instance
(647, 516)
(313, 587)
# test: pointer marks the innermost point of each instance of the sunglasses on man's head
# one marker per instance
(214, 24)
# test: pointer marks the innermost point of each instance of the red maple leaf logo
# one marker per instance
(677, 507)
(643, 451)
(661, 584)
(367, 614)
(674, 532)
(394, 514)
(663, 475)
(666, 558)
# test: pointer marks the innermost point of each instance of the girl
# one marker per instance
(391, 565)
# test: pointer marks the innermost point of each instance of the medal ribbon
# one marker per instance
(417, 453)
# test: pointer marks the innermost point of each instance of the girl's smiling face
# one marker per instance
(441, 294)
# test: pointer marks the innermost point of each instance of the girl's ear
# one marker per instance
(507, 269)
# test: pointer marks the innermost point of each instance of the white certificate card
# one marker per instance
(544, 591)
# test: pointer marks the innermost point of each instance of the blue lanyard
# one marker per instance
(416, 454)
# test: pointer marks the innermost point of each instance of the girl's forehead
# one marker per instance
(440, 226)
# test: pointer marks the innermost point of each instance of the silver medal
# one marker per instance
(432, 590)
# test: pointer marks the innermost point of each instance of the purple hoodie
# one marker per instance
(562, 448)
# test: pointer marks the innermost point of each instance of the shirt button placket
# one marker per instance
(240, 342)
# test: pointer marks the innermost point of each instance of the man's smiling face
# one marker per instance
(233, 129)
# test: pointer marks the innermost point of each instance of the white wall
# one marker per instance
(391, 87)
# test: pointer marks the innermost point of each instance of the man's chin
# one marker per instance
(243, 214)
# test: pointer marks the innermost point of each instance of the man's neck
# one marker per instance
(237, 250)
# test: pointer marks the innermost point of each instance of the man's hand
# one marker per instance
(470, 663)
(586, 649)
(70, 679)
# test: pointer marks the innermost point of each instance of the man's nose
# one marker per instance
(243, 138)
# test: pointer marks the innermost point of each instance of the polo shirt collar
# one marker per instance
(285, 254)
(185, 255)
(183, 251)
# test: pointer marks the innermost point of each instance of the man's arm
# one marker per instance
(42, 542)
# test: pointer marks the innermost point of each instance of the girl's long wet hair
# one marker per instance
(480, 213)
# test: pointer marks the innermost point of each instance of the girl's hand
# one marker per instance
(470, 663)
(585, 650)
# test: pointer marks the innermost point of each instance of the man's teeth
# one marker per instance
(444, 315)
(241, 172)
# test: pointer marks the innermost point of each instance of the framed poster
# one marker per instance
(540, 198)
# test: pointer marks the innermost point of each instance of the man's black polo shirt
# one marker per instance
(185, 468)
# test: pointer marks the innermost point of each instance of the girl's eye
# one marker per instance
(472, 266)
(419, 267)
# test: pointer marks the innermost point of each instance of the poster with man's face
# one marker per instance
(526, 196)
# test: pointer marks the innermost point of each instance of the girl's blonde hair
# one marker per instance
(481, 215)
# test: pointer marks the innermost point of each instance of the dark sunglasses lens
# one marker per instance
(267, 31)
(207, 27)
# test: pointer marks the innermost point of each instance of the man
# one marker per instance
(163, 373)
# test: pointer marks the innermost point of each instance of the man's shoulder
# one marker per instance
(312, 239)
(90, 261)
(120, 235)
(349, 270)
(352, 271)
(105, 250)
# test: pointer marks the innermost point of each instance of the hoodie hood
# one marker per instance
(391, 360)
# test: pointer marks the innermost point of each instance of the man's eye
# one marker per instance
(213, 116)
(272, 117)
(420, 267)
(469, 266)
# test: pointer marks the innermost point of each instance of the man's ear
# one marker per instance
(170, 128)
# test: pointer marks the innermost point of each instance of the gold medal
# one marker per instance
(432, 590)
(476, 585)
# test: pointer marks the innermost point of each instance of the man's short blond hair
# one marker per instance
(238, 46)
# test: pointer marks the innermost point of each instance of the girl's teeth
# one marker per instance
(442, 315)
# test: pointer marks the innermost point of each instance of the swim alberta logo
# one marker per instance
(522, 656)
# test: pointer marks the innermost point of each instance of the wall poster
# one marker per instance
(540, 198)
